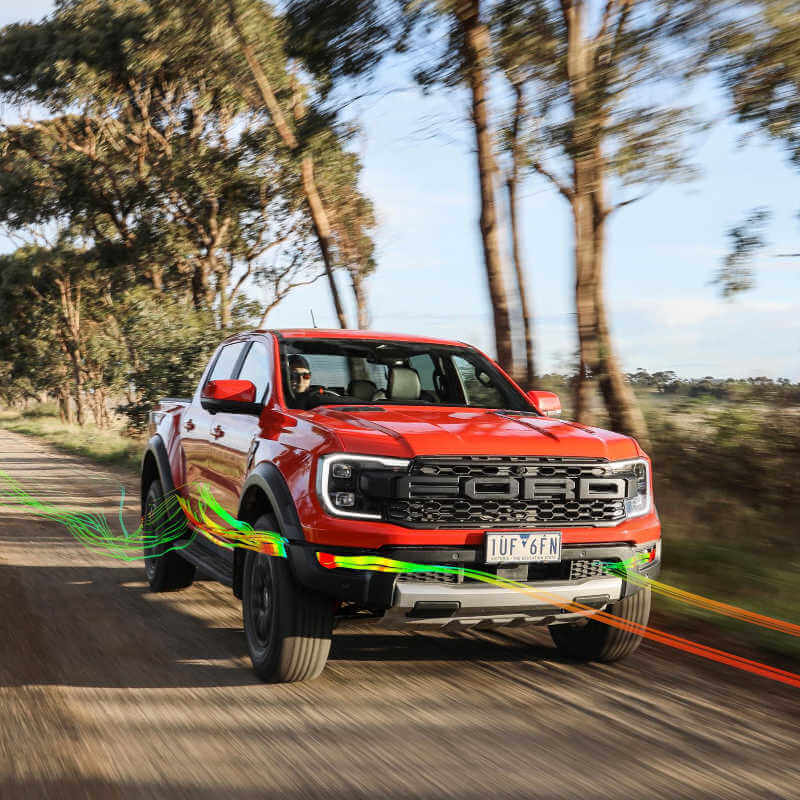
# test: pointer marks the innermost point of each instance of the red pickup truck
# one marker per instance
(409, 448)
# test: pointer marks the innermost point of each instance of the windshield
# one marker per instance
(373, 372)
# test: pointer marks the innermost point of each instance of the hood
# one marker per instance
(405, 432)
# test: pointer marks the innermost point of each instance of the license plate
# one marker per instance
(523, 548)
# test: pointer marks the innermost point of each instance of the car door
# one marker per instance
(198, 436)
(235, 436)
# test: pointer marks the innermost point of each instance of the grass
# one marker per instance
(103, 446)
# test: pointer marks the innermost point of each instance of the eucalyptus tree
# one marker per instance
(346, 38)
(758, 57)
(51, 307)
(244, 41)
(516, 41)
(612, 126)
(149, 150)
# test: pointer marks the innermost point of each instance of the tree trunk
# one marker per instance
(512, 184)
(71, 338)
(201, 285)
(624, 413)
(476, 58)
(65, 410)
(585, 298)
(319, 216)
(80, 398)
(581, 146)
(322, 230)
(360, 296)
(224, 299)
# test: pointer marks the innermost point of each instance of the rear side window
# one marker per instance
(256, 368)
(226, 361)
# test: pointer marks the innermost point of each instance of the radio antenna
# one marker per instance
(313, 321)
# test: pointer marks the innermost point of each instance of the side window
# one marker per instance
(256, 368)
(479, 387)
(223, 367)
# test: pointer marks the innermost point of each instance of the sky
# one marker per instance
(419, 170)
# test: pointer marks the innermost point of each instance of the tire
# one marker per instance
(288, 629)
(596, 641)
(168, 572)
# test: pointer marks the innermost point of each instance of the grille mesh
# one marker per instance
(585, 569)
(574, 570)
(430, 577)
(436, 496)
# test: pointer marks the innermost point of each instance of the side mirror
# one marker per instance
(235, 397)
(546, 403)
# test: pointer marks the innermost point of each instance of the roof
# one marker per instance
(347, 333)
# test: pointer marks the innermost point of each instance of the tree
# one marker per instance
(58, 288)
(344, 39)
(517, 38)
(211, 189)
(602, 142)
(166, 190)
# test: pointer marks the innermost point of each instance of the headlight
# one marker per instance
(356, 486)
(638, 497)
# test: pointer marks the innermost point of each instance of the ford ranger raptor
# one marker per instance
(354, 443)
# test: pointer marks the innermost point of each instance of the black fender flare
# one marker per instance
(373, 589)
(158, 451)
(268, 478)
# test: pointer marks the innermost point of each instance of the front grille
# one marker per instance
(438, 491)
(585, 569)
(430, 577)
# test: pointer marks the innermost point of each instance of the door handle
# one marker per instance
(217, 432)
(189, 426)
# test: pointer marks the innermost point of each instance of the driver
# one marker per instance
(299, 375)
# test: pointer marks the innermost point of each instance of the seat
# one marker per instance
(362, 389)
(403, 384)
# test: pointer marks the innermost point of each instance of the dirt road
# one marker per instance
(107, 690)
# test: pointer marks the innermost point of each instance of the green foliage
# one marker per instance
(758, 54)
(172, 343)
(152, 192)
(606, 115)
(747, 238)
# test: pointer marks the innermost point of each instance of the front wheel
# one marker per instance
(593, 640)
(288, 629)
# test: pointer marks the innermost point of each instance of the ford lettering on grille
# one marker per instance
(513, 491)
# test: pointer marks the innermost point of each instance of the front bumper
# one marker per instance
(415, 603)
(469, 605)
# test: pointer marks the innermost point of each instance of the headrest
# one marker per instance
(361, 389)
(403, 384)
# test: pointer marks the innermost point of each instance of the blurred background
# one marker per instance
(601, 195)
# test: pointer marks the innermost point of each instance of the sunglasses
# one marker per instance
(300, 374)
